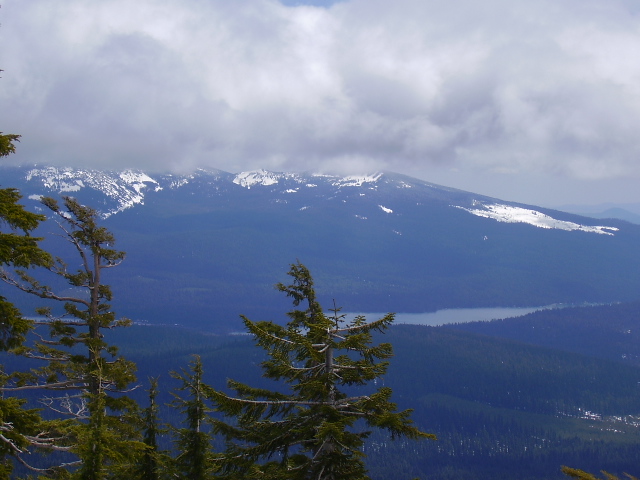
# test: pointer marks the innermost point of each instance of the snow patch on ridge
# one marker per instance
(266, 178)
(262, 177)
(178, 183)
(510, 214)
(356, 180)
(126, 188)
(256, 177)
(138, 180)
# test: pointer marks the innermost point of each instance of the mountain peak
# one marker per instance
(261, 177)
(126, 187)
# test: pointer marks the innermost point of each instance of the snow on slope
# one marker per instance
(510, 214)
(261, 177)
(356, 180)
(258, 177)
(126, 188)
(264, 177)
(129, 187)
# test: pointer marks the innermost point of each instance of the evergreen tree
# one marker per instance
(310, 430)
(18, 249)
(19, 428)
(154, 463)
(7, 143)
(83, 372)
(195, 459)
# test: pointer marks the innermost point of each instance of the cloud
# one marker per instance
(501, 86)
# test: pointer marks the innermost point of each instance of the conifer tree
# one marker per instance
(195, 459)
(7, 143)
(310, 431)
(17, 248)
(18, 427)
(154, 463)
(82, 372)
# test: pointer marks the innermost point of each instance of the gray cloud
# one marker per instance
(504, 87)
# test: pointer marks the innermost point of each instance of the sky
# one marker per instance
(529, 101)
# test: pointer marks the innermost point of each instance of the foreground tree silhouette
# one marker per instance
(309, 431)
(18, 427)
(82, 372)
(17, 249)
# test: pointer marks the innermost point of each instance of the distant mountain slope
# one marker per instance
(620, 213)
(605, 331)
(629, 212)
(205, 247)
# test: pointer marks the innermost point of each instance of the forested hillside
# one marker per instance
(605, 331)
(499, 408)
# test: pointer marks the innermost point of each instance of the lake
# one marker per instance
(457, 315)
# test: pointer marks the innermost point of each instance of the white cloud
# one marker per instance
(505, 85)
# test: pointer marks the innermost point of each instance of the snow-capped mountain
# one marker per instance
(209, 245)
(128, 188)
(125, 189)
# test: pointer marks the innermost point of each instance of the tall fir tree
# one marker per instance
(193, 441)
(19, 427)
(312, 430)
(17, 249)
(83, 373)
(154, 463)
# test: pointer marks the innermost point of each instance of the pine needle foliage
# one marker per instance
(82, 375)
(18, 249)
(193, 441)
(582, 475)
(312, 430)
(7, 143)
(154, 464)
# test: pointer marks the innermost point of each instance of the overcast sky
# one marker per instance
(530, 101)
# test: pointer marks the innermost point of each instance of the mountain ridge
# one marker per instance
(204, 248)
(127, 188)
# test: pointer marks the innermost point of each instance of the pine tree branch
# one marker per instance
(47, 442)
(271, 402)
(8, 441)
(69, 384)
(47, 471)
